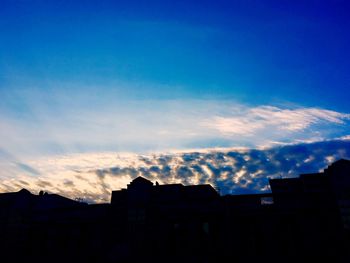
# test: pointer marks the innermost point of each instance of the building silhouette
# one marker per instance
(304, 219)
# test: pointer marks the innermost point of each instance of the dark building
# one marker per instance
(304, 219)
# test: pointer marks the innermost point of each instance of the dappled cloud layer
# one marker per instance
(92, 177)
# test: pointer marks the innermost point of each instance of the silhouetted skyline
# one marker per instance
(303, 219)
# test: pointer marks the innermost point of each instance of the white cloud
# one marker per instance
(345, 137)
(92, 176)
(60, 123)
(250, 121)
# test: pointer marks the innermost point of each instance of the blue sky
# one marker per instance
(254, 51)
(89, 77)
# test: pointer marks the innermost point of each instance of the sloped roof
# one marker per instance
(141, 180)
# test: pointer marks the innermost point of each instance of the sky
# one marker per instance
(95, 93)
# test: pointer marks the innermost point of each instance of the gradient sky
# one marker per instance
(86, 78)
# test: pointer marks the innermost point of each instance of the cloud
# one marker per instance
(9, 163)
(27, 168)
(251, 121)
(57, 123)
(68, 144)
(92, 177)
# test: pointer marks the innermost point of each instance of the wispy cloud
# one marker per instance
(10, 163)
(251, 121)
(90, 123)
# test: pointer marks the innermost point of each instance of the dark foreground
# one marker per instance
(305, 219)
